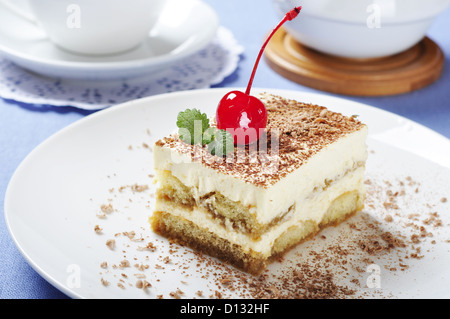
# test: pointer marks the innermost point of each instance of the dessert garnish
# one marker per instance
(194, 128)
(241, 114)
(240, 117)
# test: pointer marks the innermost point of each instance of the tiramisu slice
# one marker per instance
(305, 172)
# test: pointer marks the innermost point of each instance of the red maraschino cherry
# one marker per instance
(241, 114)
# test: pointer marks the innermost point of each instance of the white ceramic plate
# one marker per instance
(185, 27)
(54, 199)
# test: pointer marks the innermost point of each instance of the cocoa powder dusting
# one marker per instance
(333, 265)
(313, 128)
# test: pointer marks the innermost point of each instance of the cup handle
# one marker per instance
(18, 11)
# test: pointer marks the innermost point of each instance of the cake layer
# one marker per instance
(314, 208)
(265, 203)
(172, 221)
(226, 212)
(187, 233)
(233, 214)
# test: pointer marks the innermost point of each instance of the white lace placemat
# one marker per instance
(208, 67)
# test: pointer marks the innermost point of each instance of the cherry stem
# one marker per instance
(288, 17)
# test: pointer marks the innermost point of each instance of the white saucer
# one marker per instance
(185, 27)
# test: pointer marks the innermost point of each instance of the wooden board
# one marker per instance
(401, 73)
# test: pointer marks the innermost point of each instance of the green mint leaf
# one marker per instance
(223, 143)
(192, 124)
(193, 128)
(209, 135)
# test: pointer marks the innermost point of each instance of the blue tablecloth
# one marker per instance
(23, 127)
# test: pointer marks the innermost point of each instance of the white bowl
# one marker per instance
(360, 28)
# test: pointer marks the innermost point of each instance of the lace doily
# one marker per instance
(204, 69)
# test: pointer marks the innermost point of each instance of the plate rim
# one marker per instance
(149, 100)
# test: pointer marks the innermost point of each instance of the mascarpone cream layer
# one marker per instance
(331, 163)
(313, 207)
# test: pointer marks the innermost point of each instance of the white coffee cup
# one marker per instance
(94, 27)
